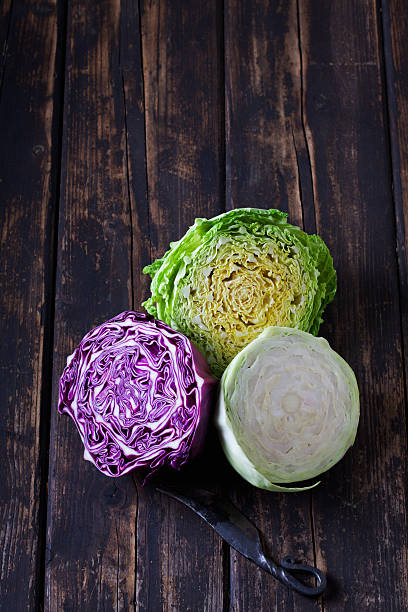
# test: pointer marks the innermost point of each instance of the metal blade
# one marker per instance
(225, 519)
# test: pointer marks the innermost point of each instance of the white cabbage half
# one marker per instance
(288, 409)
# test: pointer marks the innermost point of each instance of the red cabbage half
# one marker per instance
(140, 395)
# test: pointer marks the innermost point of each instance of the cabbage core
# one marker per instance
(230, 297)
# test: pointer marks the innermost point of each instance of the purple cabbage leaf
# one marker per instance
(139, 393)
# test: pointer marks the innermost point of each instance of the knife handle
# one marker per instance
(285, 573)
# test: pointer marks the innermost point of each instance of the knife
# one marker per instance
(242, 535)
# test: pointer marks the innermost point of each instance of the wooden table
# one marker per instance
(120, 122)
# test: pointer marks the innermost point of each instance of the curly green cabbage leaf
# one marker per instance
(232, 276)
(288, 409)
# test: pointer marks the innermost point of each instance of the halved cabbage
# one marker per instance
(288, 409)
(140, 395)
(232, 276)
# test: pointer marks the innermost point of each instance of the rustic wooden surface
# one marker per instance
(120, 122)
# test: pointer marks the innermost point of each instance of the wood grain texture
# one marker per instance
(264, 136)
(174, 110)
(91, 519)
(181, 558)
(131, 67)
(359, 513)
(27, 193)
(5, 23)
(267, 167)
(395, 37)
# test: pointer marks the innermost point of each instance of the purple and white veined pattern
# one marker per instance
(139, 393)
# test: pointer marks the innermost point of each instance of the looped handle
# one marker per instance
(288, 565)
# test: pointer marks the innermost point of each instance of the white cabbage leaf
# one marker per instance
(288, 409)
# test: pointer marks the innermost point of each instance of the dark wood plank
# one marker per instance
(28, 156)
(263, 100)
(360, 511)
(91, 518)
(395, 35)
(183, 96)
(133, 97)
(267, 166)
(5, 22)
